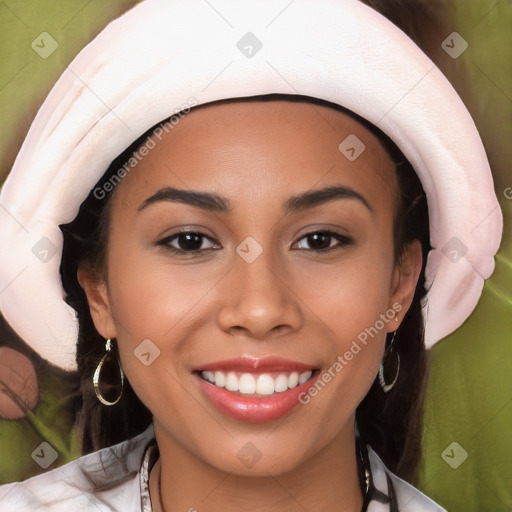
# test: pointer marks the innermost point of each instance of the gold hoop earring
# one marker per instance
(107, 364)
(382, 381)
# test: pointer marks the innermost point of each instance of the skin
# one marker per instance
(291, 302)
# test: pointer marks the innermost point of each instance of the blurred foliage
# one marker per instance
(51, 421)
(470, 389)
(470, 392)
(25, 81)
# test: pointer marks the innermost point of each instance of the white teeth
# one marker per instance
(265, 385)
(250, 384)
(281, 383)
(209, 376)
(303, 377)
(232, 382)
(247, 384)
(219, 379)
(293, 380)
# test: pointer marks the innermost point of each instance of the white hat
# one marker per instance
(153, 60)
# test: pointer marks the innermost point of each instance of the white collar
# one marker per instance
(115, 474)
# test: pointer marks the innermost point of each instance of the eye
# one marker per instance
(188, 242)
(322, 241)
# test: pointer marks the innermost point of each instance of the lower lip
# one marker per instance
(254, 410)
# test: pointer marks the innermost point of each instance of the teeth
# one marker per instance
(218, 378)
(303, 377)
(293, 380)
(209, 376)
(281, 383)
(265, 385)
(232, 382)
(249, 384)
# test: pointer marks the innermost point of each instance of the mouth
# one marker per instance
(257, 384)
(255, 390)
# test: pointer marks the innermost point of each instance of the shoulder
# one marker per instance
(105, 480)
(408, 497)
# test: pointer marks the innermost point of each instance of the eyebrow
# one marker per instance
(203, 200)
(215, 203)
(323, 195)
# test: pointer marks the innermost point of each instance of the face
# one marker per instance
(285, 263)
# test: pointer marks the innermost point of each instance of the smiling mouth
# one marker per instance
(256, 385)
(255, 390)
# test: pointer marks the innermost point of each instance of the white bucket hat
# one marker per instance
(149, 63)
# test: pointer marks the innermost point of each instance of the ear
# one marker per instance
(99, 304)
(405, 278)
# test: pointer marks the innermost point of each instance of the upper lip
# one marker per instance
(248, 364)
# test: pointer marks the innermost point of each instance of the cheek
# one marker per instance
(348, 297)
(156, 301)
(351, 301)
(156, 307)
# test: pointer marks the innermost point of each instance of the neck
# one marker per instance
(328, 480)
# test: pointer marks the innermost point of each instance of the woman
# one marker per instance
(254, 264)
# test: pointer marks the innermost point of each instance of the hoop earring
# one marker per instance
(108, 360)
(388, 387)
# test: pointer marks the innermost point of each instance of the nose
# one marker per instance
(257, 301)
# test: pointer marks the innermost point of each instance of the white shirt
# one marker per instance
(69, 487)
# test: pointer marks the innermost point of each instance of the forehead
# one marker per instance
(241, 148)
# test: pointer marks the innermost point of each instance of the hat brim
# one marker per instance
(145, 66)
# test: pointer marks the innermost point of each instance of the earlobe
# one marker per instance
(99, 304)
(405, 279)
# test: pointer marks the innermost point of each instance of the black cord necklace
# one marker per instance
(370, 492)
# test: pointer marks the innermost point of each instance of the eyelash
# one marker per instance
(343, 241)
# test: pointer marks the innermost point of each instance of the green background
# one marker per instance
(470, 391)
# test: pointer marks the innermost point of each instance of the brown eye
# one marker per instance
(187, 242)
(322, 241)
